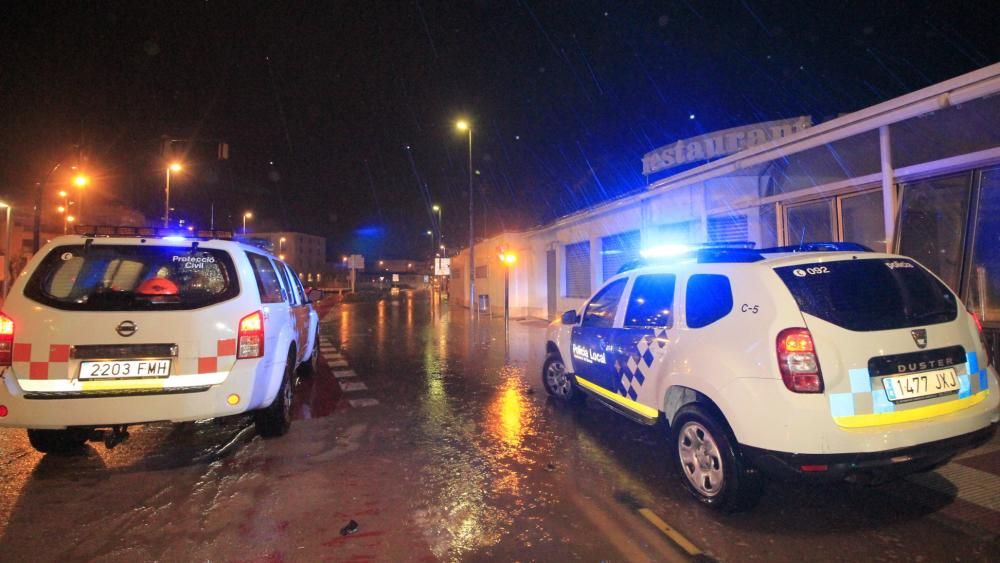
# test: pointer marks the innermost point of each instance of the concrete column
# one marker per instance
(889, 199)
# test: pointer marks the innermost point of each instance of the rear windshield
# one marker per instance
(132, 278)
(873, 294)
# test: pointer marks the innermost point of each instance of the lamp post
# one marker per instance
(80, 181)
(508, 259)
(247, 215)
(173, 167)
(463, 125)
(431, 234)
(437, 209)
(8, 271)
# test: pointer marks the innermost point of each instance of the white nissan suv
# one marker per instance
(822, 362)
(127, 325)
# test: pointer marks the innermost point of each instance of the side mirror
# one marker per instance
(314, 295)
(570, 317)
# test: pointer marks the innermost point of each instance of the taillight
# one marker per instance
(798, 362)
(6, 340)
(982, 337)
(250, 340)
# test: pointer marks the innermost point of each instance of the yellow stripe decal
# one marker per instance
(865, 420)
(671, 533)
(120, 385)
(648, 412)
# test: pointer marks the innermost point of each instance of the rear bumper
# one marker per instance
(133, 406)
(865, 467)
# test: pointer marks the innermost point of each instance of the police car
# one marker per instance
(125, 325)
(824, 362)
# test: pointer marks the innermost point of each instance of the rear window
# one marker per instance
(874, 294)
(132, 278)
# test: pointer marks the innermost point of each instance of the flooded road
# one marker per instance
(434, 436)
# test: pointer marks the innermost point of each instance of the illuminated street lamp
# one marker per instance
(174, 167)
(80, 181)
(247, 215)
(437, 209)
(507, 258)
(463, 125)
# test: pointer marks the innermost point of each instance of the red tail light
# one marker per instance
(982, 337)
(6, 340)
(250, 341)
(798, 362)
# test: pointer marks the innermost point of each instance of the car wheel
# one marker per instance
(557, 382)
(274, 420)
(70, 440)
(311, 365)
(710, 463)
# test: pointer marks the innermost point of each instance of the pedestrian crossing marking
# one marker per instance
(337, 364)
(332, 357)
(348, 386)
(341, 374)
(363, 402)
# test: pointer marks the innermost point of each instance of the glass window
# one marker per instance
(286, 286)
(863, 219)
(728, 228)
(578, 269)
(709, 298)
(601, 310)
(768, 226)
(809, 222)
(854, 156)
(872, 294)
(983, 286)
(112, 277)
(932, 220)
(651, 302)
(954, 130)
(618, 250)
(297, 285)
(267, 279)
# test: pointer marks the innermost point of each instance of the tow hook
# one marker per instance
(115, 436)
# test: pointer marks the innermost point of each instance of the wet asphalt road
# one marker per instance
(443, 447)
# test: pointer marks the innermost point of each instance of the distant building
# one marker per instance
(305, 253)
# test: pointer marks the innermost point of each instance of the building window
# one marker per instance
(618, 250)
(482, 271)
(809, 222)
(862, 219)
(983, 286)
(932, 215)
(578, 269)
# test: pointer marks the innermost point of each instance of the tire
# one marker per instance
(558, 383)
(275, 419)
(68, 441)
(311, 365)
(710, 464)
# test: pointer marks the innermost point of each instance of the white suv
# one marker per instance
(128, 325)
(794, 362)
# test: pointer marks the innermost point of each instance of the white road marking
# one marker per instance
(332, 357)
(363, 402)
(337, 364)
(341, 374)
(348, 386)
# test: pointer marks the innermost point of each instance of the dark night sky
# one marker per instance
(565, 98)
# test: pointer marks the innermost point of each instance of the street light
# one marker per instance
(173, 167)
(507, 258)
(8, 271)
(437, 209)
(463, 125)
(247, 215)
(80, 181)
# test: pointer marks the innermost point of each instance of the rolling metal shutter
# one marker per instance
(728, 229)
(617, 250)
(578, 269)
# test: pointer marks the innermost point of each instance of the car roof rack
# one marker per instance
(150, 232)
(740, 252)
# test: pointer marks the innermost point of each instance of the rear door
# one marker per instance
(591, 341)
(890, 337)
(274, 301)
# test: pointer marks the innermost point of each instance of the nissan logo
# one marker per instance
(126, 328)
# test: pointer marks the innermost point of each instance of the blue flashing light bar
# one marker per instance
(150, 232)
